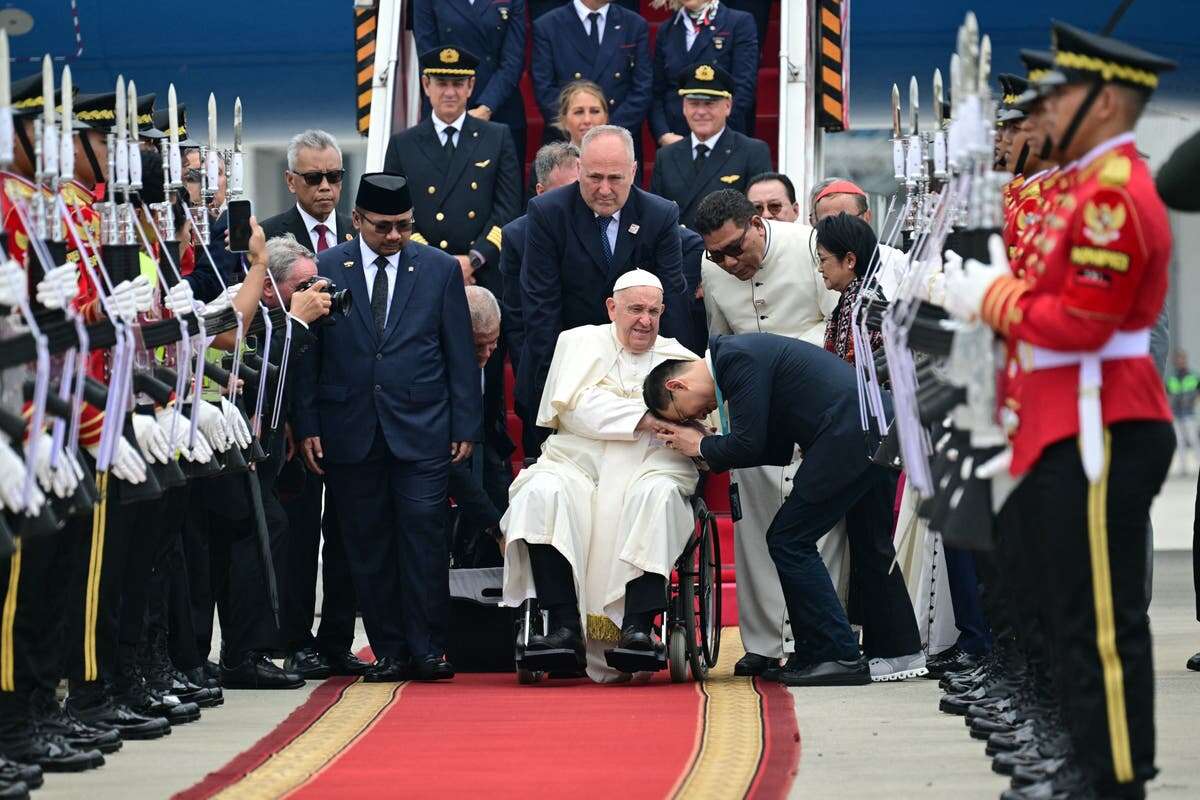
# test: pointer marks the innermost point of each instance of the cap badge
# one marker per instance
(704, 73)
(448, 56)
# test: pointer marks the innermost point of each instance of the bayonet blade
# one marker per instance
(985, 64)
(173, 116)
(122, 116)
(67, 157)
(212, 121)
(5, 88)
(132, 108)
(912, 104)
(956, 83)
(896, 132)
(939, 113)
(47, 91)
(237, 125)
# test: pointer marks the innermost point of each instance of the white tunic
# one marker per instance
(611, 499)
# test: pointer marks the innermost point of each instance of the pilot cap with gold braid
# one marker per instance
(1011, 89)
(96, 111)
(1038, 63)
(705, 82)
(448, 62)
(160, 128)
(1084, 57)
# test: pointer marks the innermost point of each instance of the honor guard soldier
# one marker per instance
(713, 156)
(496, 32)
(462, 170)
(702, 33)
(1087, 415)
(600, 42)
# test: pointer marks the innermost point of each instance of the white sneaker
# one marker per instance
(898, 668)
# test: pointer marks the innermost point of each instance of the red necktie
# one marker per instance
(322, 242)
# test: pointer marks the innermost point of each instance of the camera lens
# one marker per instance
(341, 301)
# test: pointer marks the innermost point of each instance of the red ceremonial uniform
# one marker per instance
(1022, 219)
(1098, 266)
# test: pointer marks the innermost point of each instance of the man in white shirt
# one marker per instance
(314, 175)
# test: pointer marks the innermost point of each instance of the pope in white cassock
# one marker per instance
(594, 527)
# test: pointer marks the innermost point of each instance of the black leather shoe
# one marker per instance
(200, 677)
(636, 634)
(1193, 663)
(121, 718)
(828, 673)
(753, 664)
(388, 669)
(1066, 783)
(13, 790)
(28, 774)
(53, 754)
(952, 660)
(563, 638)
(256, 671)
(432, 668)
(308, 664)
(345, 663)
(54, 721)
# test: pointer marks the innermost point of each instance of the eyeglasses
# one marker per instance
(384, 227)
(775, 207)
(732, 251)
(334, 176)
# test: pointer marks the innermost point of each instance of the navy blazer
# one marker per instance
(730, 41)
(563, 53)
(493, 31)
(202, 279)
(419, 383)
(564, 282)
(290, 221)
(783, 392)
(512, 320)
(736, 159)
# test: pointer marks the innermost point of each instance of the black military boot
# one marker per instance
(49, 718)
(92, 704)
(133, 690)
(164, 678)
(14, 772)
(13, 790)
(53, 754)
(1066, 783)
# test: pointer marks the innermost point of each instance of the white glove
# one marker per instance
(995, 465)
(150, 438)
(212, 425)
(12, 284)
(59, 286)
(201, 453)
(127, 464)
(61, 481)
(935, 288)
(236, 424)
(123, 302)
(143, 293)
(179, 299)
(12, 482)
(968, 284)
(223, 300)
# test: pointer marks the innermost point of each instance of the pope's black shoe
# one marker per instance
(1193, 663)
(828, 673)
(53, 754)
(14, 772)
(561, 650)
(256, 671)
(13, 790)
(636, 634)
(345, 663)
(308, 663)
(388, 669)
(753, 664)
(432, 668)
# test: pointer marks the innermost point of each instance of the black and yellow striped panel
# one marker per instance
(364, 50)
(831, 93)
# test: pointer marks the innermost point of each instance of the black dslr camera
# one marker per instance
(340, 299)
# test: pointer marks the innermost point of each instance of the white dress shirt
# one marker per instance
(583, 12)
(369, 269)
(440, 128)
(311, 222)
(613, 228)
(711, 142)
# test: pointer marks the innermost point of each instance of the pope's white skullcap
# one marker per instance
(637, 277)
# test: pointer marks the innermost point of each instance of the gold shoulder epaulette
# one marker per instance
(1115, 171)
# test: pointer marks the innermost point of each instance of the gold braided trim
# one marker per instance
(467, 73)
(1011, 98)
(1107, 69)
(494, 236)
(99, 113)
(713, 92)
(145, 119)
(731, 736)
(28, 102)
(418, 238)
(352, 716)
(91, 605)
(9, 618)
(1036, 75)
(602, 629)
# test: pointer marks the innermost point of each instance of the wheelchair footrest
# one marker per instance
(631, 661)
(552, 661)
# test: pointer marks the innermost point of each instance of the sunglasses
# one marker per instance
(384, 227)
(775, 207)
(732, 251)
(334, 176)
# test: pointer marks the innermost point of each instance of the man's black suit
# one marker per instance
(291, 222)
(783, 392)
(735, 159)
(565, 280)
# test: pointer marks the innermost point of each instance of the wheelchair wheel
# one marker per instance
(691, 618)
(677, 654)
(709, 585)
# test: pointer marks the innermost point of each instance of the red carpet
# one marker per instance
(484, 735)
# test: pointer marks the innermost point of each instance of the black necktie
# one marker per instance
(605, 245)
(379, 295)
(449, 146)
(701, 155)
(594, 29)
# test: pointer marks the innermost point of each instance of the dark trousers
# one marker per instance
(646, 594)
(1196, 550)
(1095, 544)
(393, 516)
(307, 526)
(819, 623)
(974, 636)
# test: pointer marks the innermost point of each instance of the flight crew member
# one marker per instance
(714, 156)
(495, 31)
(702, 32)
(1097, 446)
(597, 41)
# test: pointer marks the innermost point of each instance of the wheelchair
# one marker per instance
(690, 628)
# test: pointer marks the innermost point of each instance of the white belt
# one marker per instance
(1123, 344)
